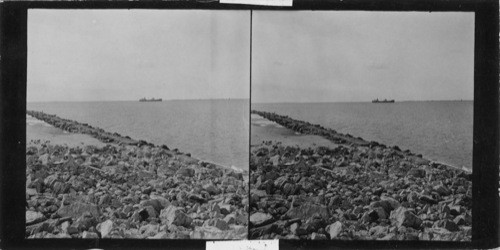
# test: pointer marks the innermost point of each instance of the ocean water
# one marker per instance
(439, 130)
(211, 130)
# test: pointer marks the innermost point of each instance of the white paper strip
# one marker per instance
(260, 2)
(243, 245)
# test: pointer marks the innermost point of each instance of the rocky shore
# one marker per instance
(128, 189)
(355, 190)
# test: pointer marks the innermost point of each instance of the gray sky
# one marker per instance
(101, 55)
(330, 56)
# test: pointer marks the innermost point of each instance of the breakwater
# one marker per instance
(356, 190)
(128, 189)
(83, 128)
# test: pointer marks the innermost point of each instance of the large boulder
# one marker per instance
(391, 203)
(275, 160)
(260, 219)
(105, 228)
(257, 232)
(155, 203)
(89, 235)
(86, 221)
(334, 229)
(77, 209)
(186, 172)
(34, 217)
(307, 210)
(211, 189)
(378, 231)
(151, 212)
(289, 189)
(449, 225)
(427, 199)
(404, 217)
(280, 182)
(416, 172)
(174, 215)
(218, 223)
(162, 200)
(442, 190)
(317, 236)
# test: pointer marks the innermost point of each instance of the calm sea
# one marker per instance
(439, 130)
(212, 130)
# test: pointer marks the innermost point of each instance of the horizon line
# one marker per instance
(137, 100)
(442, 100)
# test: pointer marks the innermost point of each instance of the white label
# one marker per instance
(243, 245)
(260, 2)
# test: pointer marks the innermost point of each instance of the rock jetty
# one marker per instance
(128, 189)
(355, 190)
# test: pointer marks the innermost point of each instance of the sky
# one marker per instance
(332, 56)
(110, 55)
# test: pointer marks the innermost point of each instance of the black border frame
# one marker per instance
(13, 43)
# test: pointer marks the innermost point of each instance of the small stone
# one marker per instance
(64, 227)
(380, 213)
(149, 230)
(461, 190)
(403, 217)
(151, 212)
(317, 236)
(89, 235)
(31, 192)
(450, 226)
(412, 197)
(275, 160)
(390, 236)
(86, 221)
(76, 209)
(378, 231)
(416, 172)
(335, 229)
(225, 209)
(218, 223)
(147, 190)
(211, 189)
(72, 230)
(442, 190)
(105, 228)
(155, 203)
(44, 159)
(187, 172)
(175, 216)
(427, 199)
(230, 219)
(260, 219)
(196, 198)
(455, 210)
(293, 228)
(34, 217)
(105, 199)
(307, 210)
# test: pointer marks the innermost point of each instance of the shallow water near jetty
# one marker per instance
(439, 130)
(211, 130)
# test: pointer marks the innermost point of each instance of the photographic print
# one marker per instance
(361, 125)
(137, 124)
